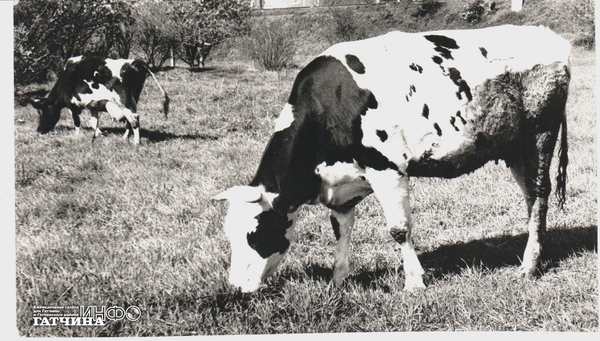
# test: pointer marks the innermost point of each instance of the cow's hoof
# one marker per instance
(526, 272)
(338, 281)
(414, 283)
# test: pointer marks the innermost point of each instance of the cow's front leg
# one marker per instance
(342, 222)
(391, 190)
(94, 121)
(75, 112)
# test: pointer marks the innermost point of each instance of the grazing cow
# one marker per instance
(98, 84)
(198, 53)
(364, 116)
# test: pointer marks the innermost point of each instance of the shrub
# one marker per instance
(47, 33)
(348, 25)
(429, 7)
(155, 37)
(207, 22)
(582, 12)
(270, 44)
(475, 11)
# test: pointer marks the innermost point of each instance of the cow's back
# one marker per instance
(449, 96)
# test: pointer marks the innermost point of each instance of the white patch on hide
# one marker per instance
(248, 268)
(100, 94)
(396, 143)
(115, 65)
(342, 182)
(285, 119)
(115, 112)
(72, 60)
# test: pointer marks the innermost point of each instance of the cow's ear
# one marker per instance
(242, 193)
(249, 194)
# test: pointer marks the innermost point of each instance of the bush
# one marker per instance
(348, 25)
(201, 23)
(429, 7)
(47, 33)
(475, 11)
(155, 36)
(582, 12)
(270, 44)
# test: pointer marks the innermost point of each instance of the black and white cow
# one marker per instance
(98, 84)
(198, 53)
(365, 116)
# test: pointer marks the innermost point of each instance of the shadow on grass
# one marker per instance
(152, 136)
(216, 311)
(181, 67)
(197, 69)
(159, 136)
(502, 251)
(491, 253)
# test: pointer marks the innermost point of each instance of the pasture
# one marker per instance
(112, 224)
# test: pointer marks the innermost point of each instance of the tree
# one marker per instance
(207, 22)
(155, 34)
(47, 33)
(166, 26)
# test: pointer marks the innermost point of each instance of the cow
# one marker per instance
(98, 84)
(365, 116)
(197, 53)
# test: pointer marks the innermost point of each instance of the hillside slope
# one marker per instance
(322, 26)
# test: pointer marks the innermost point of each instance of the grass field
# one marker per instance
(112, 224)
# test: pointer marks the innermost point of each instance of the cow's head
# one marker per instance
(49, 115)
(258, 235)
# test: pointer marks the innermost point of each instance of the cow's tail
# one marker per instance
(563, 161)
(563, 149)
(166, 100)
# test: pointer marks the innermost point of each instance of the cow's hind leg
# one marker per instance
(545, 97)
(133, 120)
(135, 126)
(391, 190)
(128, 129)
(533, 176)
(133, 123)
(342, 222)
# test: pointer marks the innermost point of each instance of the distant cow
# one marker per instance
(198, 53)
(98, 84)
(364, 116)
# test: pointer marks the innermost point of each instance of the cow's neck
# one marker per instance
(287, 167)
(326, 104)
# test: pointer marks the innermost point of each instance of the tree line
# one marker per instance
(48, 32)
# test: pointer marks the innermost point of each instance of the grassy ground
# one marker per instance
(111, 224)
